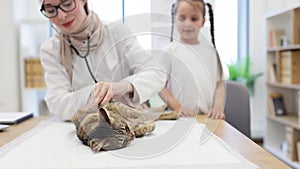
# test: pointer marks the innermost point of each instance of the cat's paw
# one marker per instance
(144, 129)
(95, 145)
(169, 115)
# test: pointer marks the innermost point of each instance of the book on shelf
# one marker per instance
(276, 104)
(275, 37)
(292, 136)
(272, 72)
(34, 74)
(290, 67)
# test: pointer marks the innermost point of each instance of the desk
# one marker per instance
(225, 131)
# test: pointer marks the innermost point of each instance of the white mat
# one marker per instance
(172, 145)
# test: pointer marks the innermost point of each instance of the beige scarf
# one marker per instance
(92, 26)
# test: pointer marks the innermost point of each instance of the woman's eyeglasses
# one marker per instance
(52, 11)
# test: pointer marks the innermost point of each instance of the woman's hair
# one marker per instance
(200, 6)
(86, 8)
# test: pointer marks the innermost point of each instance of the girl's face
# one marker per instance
(189, 21)
(68, 22)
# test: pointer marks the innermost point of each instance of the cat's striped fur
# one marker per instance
(114, 125)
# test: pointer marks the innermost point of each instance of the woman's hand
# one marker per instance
(105, 91)
(216, 113)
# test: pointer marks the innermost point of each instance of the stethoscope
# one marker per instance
(85, 56)
(81, 56)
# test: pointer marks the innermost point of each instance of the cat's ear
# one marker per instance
(103, 113)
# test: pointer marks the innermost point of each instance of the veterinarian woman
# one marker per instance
(87, 61)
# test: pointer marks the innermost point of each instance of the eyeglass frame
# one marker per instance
(56, 7)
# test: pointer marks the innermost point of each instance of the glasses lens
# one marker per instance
(50, 11)
(68, 5)
(65, 6)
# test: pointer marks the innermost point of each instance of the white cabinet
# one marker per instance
(32, 33)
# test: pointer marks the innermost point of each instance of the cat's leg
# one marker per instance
(169, 115)
(143, 129)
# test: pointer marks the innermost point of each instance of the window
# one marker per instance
(128, 11)
(108, 11)
(231, 22)
(231, 30)
(226, 29)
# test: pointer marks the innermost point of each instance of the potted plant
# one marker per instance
(240, 71)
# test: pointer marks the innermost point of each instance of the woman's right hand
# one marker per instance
(105, 91)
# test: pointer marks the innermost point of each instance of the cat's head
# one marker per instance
(103, 129)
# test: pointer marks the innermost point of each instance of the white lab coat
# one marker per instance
(120, 56)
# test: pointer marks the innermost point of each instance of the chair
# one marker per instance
(237, 107)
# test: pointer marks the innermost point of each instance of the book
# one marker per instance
(277, 104)
(271, 107)
(290, 67)
(275, 37)
(291, 136)
(14, 117)
(273, 72)
(34, 74)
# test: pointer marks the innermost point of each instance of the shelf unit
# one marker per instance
(31, 34)
(282, 132)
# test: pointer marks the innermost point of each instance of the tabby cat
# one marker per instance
(114, 125)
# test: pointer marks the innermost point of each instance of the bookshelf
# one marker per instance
(31, 34)
(282, 132)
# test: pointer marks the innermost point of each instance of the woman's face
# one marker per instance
(189, 21)
(68, 22)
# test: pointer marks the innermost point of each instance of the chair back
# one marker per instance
(237, 107)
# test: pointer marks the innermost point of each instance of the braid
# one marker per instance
(173, 20)
(211, 20)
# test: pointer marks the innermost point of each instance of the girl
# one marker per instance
(88, 60)
(195, 83)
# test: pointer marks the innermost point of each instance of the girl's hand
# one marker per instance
(185, 112)
(215, 113)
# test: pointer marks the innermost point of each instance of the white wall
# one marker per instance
(258, 10)
(256, 52)
(9, 91)
(272, 5)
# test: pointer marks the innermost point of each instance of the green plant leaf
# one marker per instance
(242, 70)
